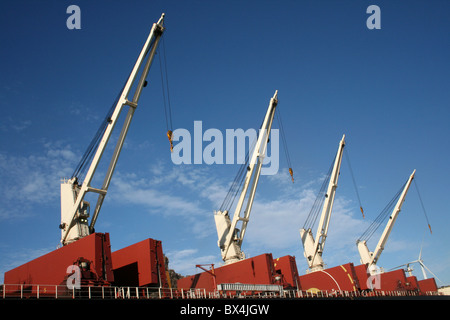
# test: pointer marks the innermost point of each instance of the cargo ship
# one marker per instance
(85, 267)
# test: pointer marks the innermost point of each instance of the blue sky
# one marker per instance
(386, 89)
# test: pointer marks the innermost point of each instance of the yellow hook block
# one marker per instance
(169, 135)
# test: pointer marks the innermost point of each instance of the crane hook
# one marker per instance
(169, 135)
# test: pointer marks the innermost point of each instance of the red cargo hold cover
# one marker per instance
(340, 278)
(428, 286)
(51, 268)
(140, 265)
(256, 270)
(286, 268)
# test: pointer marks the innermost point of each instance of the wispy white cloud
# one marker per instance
(33, 179)
(87, 114)
(187, 194)
(275, 219)
(8, 124)
(21, 125)
(142, 193)
(169, 190)
(276, 222)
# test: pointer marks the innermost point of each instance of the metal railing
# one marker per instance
(17, 291)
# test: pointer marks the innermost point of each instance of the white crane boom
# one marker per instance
(371, 258)
(74, 209)
(313, 249)
(230, 238)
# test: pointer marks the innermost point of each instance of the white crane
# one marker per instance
(371, 258)
(74, 209)
(313, 247)
(230, 237)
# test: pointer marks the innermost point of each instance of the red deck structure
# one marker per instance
(256, 270)
(428, 285)
(140, 265)
(395, 280)
(92, 254)
(340, 278)
(286, 268)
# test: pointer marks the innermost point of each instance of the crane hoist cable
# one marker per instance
(238, 181)
(167, 106)
(381, 217)
(423, 207)
(236, 185)
(85, 160)
(283, 138)
(354, 182)
(386, 212)
(318, 202)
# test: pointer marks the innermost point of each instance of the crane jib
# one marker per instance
(74, 210)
